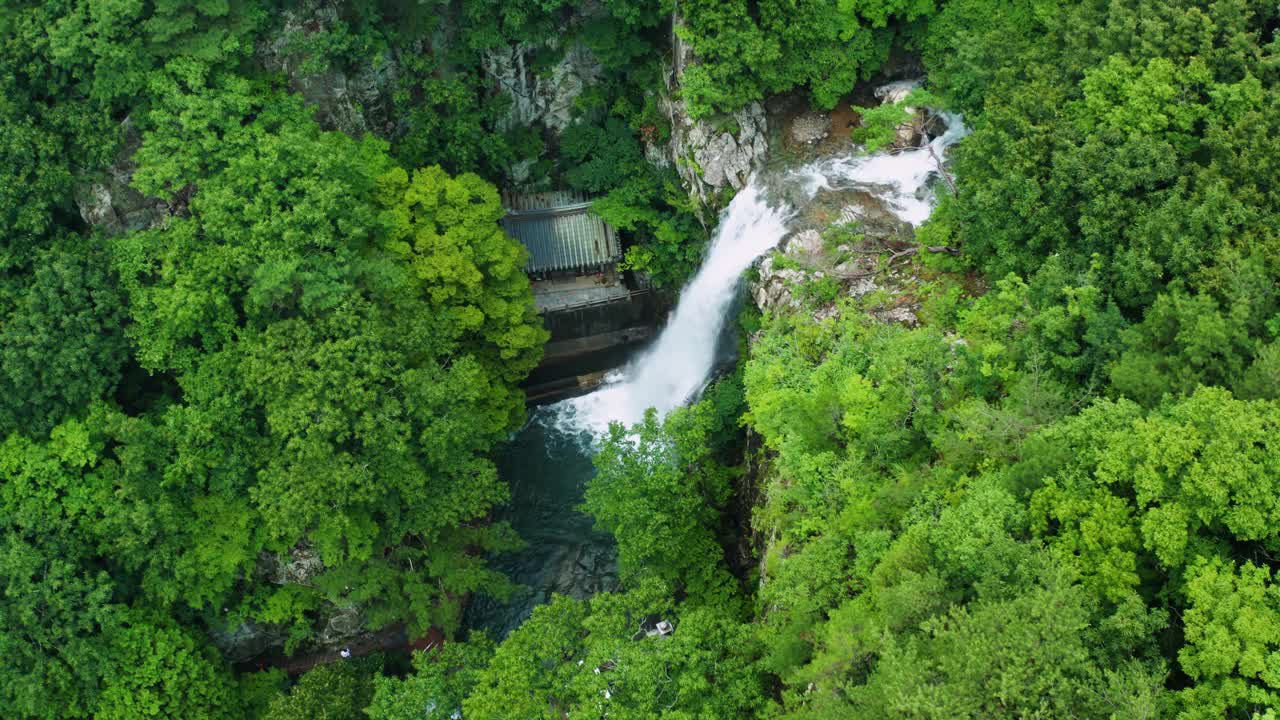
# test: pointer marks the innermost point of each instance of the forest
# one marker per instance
(295, 335)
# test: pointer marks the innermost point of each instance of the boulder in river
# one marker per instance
(911, 132)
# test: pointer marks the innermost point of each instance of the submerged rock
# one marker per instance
(585, 570)
(810, 128)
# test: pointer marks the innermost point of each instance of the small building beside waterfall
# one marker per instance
(560, 231)
(573, 254)
(586, 302)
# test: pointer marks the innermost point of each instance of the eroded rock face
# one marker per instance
(709, 154)
(710, 160)
(354, 101)
(774, 287)
(805, 247)
(544, 99)
(110, 203)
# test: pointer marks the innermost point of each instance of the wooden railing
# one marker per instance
(602, 301)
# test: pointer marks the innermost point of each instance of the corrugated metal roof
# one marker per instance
(559, 231)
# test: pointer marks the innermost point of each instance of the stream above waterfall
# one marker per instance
(548, 463)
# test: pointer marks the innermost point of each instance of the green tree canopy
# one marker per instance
(345, 347)
(162, 671)
(747, 51)
(56, 619)
(592, 658)
(659, 491)
(1233, 640)
(61, 342)
(336, 691)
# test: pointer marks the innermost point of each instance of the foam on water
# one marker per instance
(900, 179)
(678, 365)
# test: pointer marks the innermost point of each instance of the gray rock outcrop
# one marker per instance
(110, 202)
(709, 154)
(544, 99)
(868, 234)
(342, 623)
(711, 159)
(804, 258)
(774, 286)
(302, 564)
(354, 100)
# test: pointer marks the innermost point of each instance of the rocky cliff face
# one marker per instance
(709, 154)
(712, 157)
(354, 101)
(109, 202)
(855, 258)
(540, 99)
(546, 98)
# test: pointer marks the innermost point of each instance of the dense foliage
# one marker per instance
(273, 404)
(750, 49)
(257, 392)
(1053, 498)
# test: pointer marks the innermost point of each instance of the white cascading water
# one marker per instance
(900, 179)
(676, 367)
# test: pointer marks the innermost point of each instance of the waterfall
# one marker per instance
(678, 365)
(548, 463)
